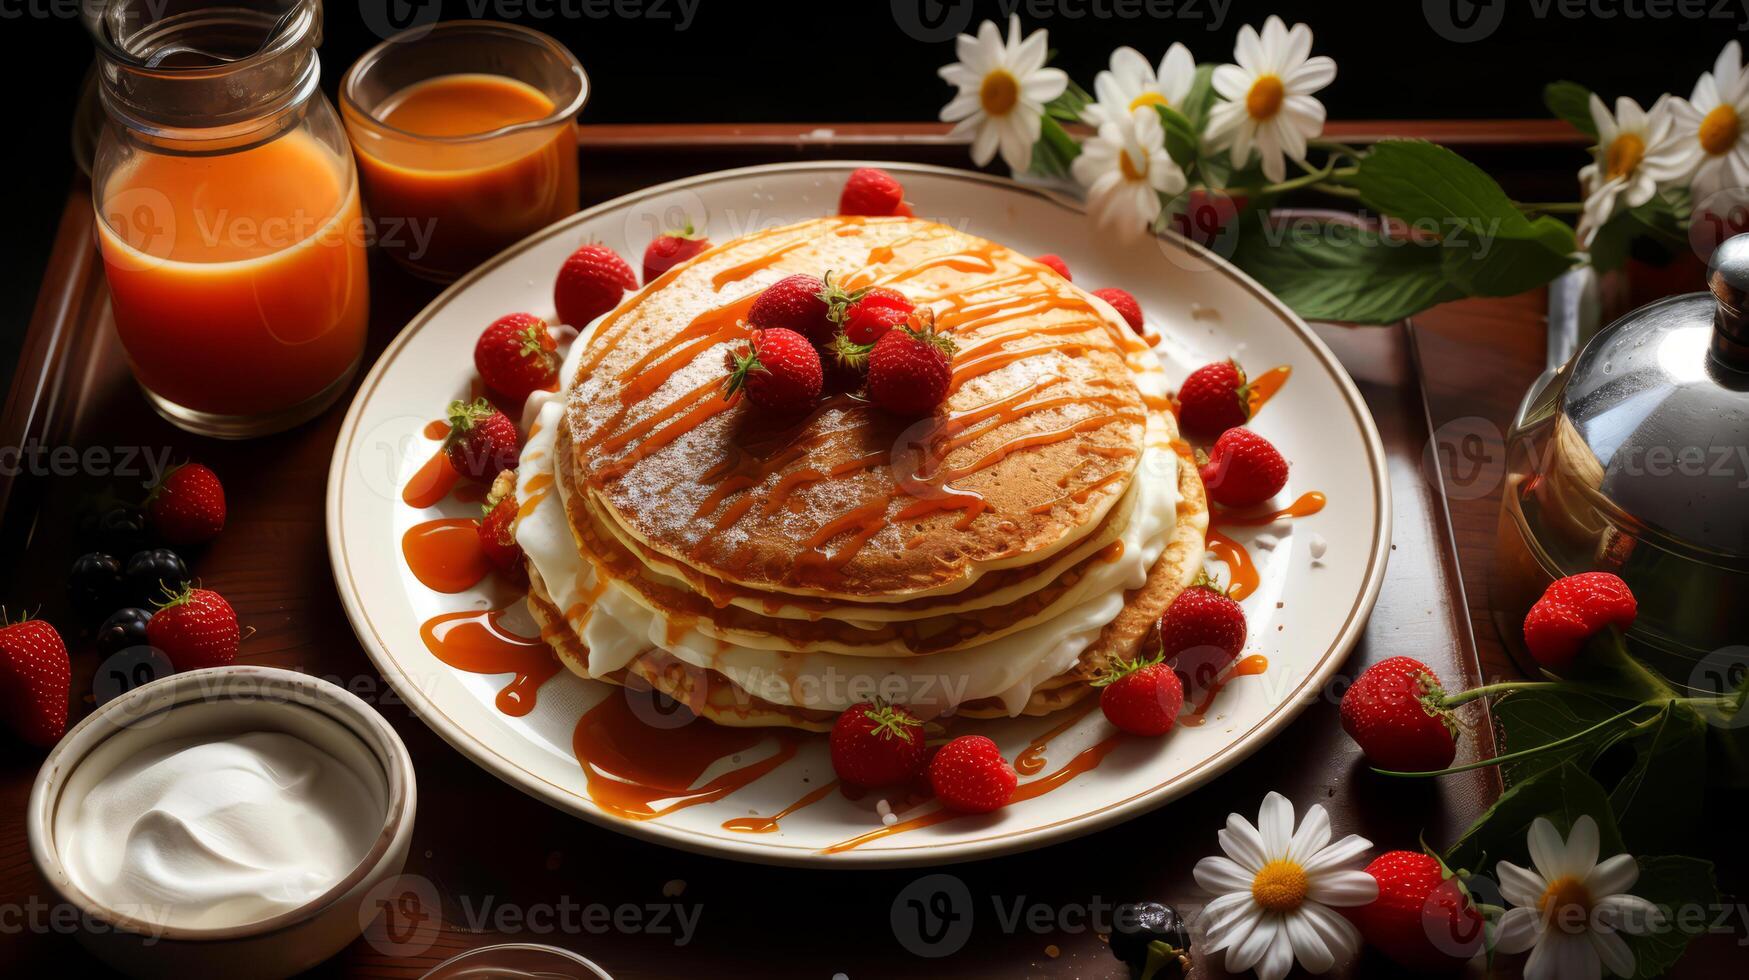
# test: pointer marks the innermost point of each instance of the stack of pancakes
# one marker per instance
(988, 560)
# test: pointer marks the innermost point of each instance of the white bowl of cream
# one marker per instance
(228, 820)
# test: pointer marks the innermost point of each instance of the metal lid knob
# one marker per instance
(1728, 278)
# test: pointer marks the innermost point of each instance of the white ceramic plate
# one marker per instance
(1304, 616)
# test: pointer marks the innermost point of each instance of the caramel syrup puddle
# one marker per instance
(1243, 574)
(436, 429)
(474, 641)
(445, 555)
(736, 273)
(1250, 666)
(638, 771)
(766, 825)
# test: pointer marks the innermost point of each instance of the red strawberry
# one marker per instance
(195, 628)
(35, 677)
(670, 249)
(1423, 919)
(1202, 632)
(1125, 305)
(482, 441)
(876, 744)
(1395, 711)
(1057, 265)
(1243, 469)
(1571, 611)
(187, 507)
(780, 370)
(872, 312)
(872, 191)
(590, 283)
(969, 774)
(1214, 399)
(910, 368)
(496, 537)
(1141, 697)
(517, 355)
(797, 303)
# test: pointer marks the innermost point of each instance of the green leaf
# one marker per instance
(1491, 248)
(1609, 247)
(1528, 719)
(1425, 183)
(1181, 136)
(1199, 98)
(1484, 265)
(1562, 793)
(1659, 804)
(1343, 273)
(1572, 102)
(1070, 105)
(1054, 151)
(1673, 884)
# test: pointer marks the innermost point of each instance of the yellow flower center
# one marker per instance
(1719, 129)
(1280, 886)
(1148, 98)
(1264, 99)
(999, 93)
(1566, 905)
(1624, 154)
(1130, 170)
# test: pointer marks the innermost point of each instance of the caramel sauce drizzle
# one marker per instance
(638, 771)
(1265, 386)
(766, 825)
(432, 482)
(1032, 758)
(474, 641)
(1086, 761)
(1250, 666)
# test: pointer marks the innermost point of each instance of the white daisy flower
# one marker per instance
(1636, 151)
(1269, 105)
(1275, 888)
(1003, 91)
(1125, 169)
(1712, 127)
(1133, 85)
(1571, 907)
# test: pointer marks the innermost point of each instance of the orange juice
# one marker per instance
(444, 187)
(237, 280)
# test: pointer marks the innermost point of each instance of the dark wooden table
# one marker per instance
(506, 868)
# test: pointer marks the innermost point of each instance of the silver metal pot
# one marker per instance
(1633, 458)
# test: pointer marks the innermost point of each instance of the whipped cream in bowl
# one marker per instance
(237, 819)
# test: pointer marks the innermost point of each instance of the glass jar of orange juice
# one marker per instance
(228, 212)
(466, 140)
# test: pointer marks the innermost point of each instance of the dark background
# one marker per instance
(875, 60)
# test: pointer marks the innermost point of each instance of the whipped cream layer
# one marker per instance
(220, 831)
(617, 628)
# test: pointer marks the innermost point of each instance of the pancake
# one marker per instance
(991, 560)
(712, 696)
(853, 503)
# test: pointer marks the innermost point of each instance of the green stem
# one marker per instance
(1550, 207)
(1489, 690)
(1524, 754)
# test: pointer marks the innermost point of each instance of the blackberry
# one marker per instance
(95, 585)
(123, 629)
(151, 573)
(1151, 939)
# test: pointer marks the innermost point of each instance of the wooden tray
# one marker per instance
(490, 865)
